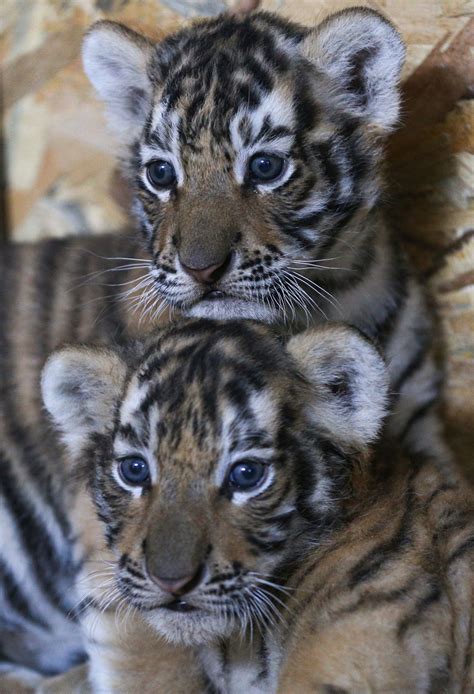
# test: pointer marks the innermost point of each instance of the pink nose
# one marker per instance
(209, 274)
(181, 584)
(176, 586)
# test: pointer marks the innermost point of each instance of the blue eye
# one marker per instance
(266, 167)
(134, 471)
(246, 474)
(160, 173)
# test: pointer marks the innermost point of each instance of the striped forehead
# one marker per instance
(268, 126)
(210, 400)
(221, 77)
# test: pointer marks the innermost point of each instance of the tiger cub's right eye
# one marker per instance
(134, 471)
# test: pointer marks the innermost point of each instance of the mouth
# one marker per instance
(213, 295)
(179, 606)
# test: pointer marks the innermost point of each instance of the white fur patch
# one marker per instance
(115, 62)
(360, 45)
(325, 355)
(80, 388)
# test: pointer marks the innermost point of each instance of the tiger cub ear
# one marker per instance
(80, 387)
(349, 379)
(362, 53)
(115, 60)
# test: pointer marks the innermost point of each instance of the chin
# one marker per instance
(193, 629)
(228, 309)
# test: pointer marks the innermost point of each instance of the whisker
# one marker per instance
(320, 290)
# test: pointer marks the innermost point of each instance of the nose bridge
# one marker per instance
(176, 542)
(207, 226)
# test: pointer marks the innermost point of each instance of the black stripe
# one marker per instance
(126, 431)
(433, 596)
(458, 553)
(440, 490)
(282, 520)
(208, 685)
(259, 72)
(418, 414)
(78, 265)
(376, 599)
(469, 651)
(323, 151)
(27, 454)
(15, 596)
(46, 274)
(264, 545)
(388, 550)
(384, 328)
(416, 361)
(46, 562)
(343, 216)
(136, 573)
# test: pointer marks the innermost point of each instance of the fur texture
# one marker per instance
(207, 99)
(338, 570)
(308, 245)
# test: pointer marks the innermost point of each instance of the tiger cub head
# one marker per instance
(216, 456)
(253, 147)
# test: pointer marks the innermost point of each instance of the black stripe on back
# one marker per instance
(418, 414)
(46, 563)
(415, 362)
(375, 560)
(17, 599)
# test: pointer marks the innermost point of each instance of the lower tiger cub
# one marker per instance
(247, 519)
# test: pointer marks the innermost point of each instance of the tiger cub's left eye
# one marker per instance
(134, 471)
(246, 474)
(265, 167)
(160, 173)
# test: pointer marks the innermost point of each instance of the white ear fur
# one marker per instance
(350, 382)
(362, 54)
(80, 388)
(115, 60)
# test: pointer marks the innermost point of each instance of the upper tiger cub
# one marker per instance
(253, 146)
(244, 514)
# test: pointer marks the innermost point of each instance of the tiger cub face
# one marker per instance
(215, 456)
(252, 145)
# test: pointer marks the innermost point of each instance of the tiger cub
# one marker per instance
(254, 149)
(246, 516)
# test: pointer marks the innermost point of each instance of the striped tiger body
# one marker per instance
(246, 516)
(50, 293)
(254, 148)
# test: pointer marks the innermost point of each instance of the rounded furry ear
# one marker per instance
(115, 60)
(80, 387)
(362, 53)
(350, 382)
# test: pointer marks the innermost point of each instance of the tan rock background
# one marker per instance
(59, 173)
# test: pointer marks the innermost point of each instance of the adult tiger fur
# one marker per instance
(244, 514)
